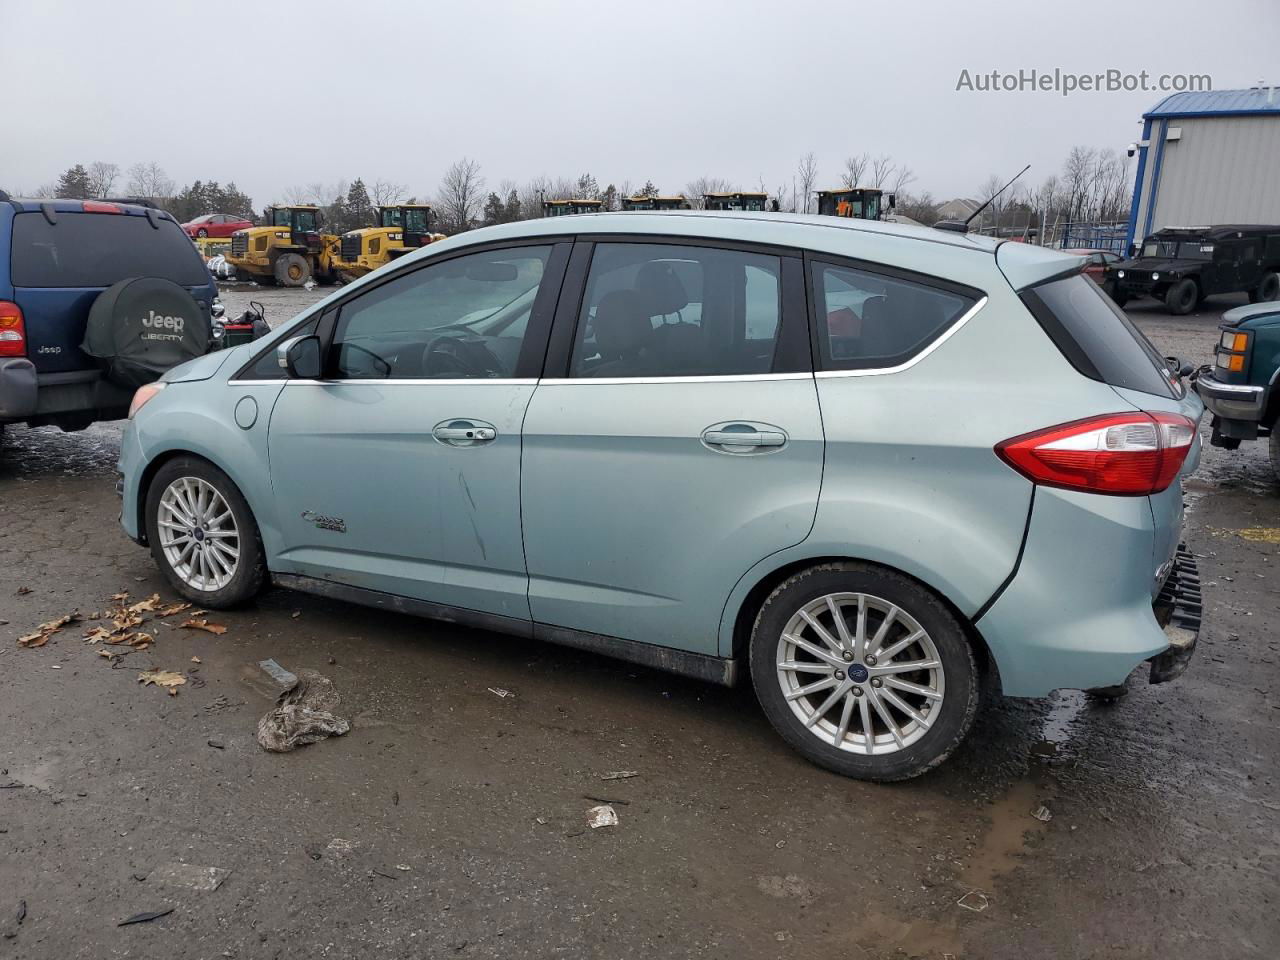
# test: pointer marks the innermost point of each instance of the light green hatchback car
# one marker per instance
(870, 466)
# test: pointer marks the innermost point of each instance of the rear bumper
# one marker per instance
(51, 397)
(1078, 612)
(1231, 401)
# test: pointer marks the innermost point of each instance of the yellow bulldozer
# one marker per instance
(859, 203)
(401, 228)
(289, 250)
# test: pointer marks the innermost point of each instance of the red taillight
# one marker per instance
(97, 206)
(13, 332)
(1132, 454)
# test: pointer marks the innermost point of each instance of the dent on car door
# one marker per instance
(399, 469)
(674, 443)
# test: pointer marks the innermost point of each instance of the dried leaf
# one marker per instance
(196, 660)
(23, 591)
(141, 639)
(214, 628)
(115, 637)
(170, 610)
(173, 691)
(97, 633)
(161, 678)
(119, 597)
(42, 633)
(147, 605)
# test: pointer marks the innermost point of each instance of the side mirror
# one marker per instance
(300, 357)
(893, 200)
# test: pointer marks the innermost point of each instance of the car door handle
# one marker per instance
(463, 433)
(744, 438)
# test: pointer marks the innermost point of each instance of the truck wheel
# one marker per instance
(291, 270)
(1273, 448)
(1118, 296)
(1268, 288)
(863, 671)
(1181, 298)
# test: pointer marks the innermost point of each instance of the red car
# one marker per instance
(215, 225)
(1099, 260)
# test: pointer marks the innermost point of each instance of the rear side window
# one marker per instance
(869, 320)
(98, 249)
(1096, 337)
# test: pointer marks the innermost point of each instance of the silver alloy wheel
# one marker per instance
(198, 534)
(860, 673)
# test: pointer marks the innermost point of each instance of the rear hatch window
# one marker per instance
(1097, 338)
(98, 249)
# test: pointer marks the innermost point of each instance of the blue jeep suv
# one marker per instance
(96, 297)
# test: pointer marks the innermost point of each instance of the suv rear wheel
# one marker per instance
(1268, 288)
(202, 534)
(864, 671)
(1181, 297)
(1273, 448)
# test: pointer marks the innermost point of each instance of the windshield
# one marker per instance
(306, 221)
(1178, 249)
(392, 217)
(280, 218)
(415, 221)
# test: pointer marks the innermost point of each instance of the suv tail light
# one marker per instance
(1126, 454)
(13, 331)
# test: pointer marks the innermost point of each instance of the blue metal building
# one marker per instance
(1208, 157)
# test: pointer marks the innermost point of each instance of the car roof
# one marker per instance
(964, 258)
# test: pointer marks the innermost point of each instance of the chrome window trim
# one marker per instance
(518, 382)
(717, 378)
(879, 371)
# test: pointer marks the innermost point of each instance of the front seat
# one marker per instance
(623, 332)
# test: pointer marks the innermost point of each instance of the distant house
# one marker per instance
(960, 208)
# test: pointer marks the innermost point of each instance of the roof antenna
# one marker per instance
(962, 226)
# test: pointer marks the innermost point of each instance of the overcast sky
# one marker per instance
(271, 94)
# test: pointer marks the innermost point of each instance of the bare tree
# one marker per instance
(920, 207)
(460, 195)
(806, 177)
(855, 168)
(903, 176)
(384, 193)
(532, 194)
(786, 202)
(696, 189)
(149, 180)
(882, 168)
(302, 194)
(102, 178)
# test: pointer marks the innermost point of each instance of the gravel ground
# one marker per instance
(451, 821)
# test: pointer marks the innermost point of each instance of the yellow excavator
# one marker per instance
(646, 202)
(401, 228)
(859, 203)
(289, 250)
(737, 200)
(562, 208)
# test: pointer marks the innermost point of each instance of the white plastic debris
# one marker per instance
(974, 900)
(1042, 813)
(500, 692)
(619, 775)
(602, 816)
(189, 875)
(309, 285)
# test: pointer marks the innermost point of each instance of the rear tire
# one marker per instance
(856, 724)
(202, 233)
(291, 270)
(1268, 288)
(1118, 297)
(1181, 297)
(223, 564)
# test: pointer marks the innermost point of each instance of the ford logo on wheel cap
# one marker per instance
(858, 673)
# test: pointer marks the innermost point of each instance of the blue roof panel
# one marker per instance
(1217, 102)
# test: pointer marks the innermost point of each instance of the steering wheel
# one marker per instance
(469, 358)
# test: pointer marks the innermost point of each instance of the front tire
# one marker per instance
(292, 270)
(864, 671)
(1181, 298)
(202, 534)
(1118, 296)
(1273, 449)
(1268, 289)
(202, 233)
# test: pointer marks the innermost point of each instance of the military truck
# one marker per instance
(1184, 265)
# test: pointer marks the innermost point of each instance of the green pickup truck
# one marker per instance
(1242, 387)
